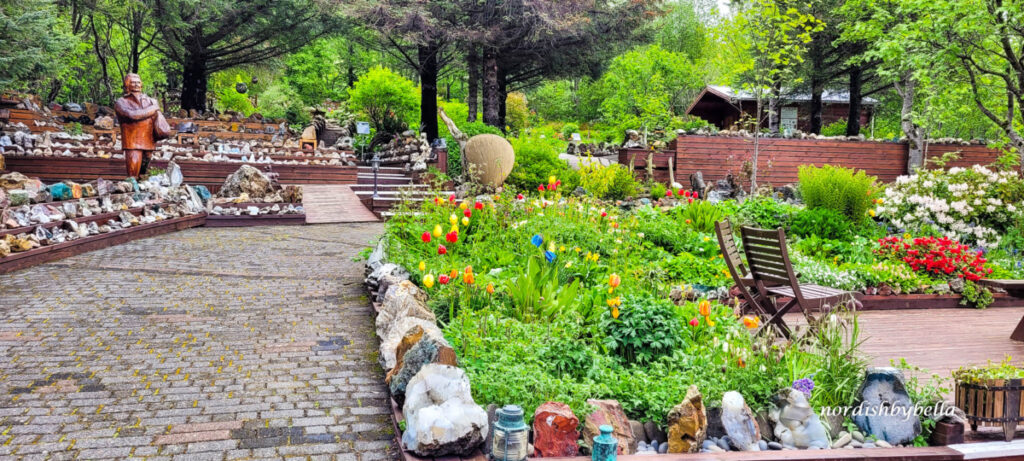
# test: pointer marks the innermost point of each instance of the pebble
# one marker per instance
(883, 444)
(708, 444)
(723, 443)
(858, 436)
(869, 445)
(812, 447)
(774, 446)
(762, 445)
(716, 449)
(856, 444)
(663, 448)
(843, 439)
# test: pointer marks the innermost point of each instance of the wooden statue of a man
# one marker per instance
(137, 114)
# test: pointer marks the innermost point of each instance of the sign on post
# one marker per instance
(362, 127)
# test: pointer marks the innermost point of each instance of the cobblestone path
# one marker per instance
(216, 344)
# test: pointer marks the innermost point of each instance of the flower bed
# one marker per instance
(568, 299)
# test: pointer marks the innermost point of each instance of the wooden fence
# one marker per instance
(779, 159)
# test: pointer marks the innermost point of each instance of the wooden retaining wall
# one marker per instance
(779, 159)
(196, 172)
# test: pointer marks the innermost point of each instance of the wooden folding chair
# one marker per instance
(737, 268)
(773, 275)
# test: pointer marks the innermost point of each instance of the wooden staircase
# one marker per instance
(393, 186)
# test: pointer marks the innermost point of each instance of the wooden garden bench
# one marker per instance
(772, 273)
(1014, 288)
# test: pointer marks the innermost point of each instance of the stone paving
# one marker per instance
(233, 343)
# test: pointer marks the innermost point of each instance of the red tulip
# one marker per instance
(540, 188)
(478, 205)
(441, 250)
(425, 237)
(452, 237)
(668, 193)
(468, 213)
(443, 279)
(451, 198)
(694, 322)
(519, 196)
(604, 215)
(689, 200)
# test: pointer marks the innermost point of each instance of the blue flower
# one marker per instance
(550, 256)
(537, 240)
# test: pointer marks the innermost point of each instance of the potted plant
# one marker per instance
(991, 395)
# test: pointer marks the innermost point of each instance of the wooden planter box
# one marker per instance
(995, 402)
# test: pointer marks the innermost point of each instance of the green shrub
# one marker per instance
(382, 94)
(614, 182)
(840, 189)
(763, 212)
(281, 101)
(647, 328)
(693, 270)
(836, 128)
(821, 222)
(568, 129)
(658, 190)
(537, 160)
(516, 113)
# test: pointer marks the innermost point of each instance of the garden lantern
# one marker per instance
(509, 435)
(605, 446)
(376, 167)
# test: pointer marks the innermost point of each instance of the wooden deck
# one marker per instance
(333, 204)
(941, 340)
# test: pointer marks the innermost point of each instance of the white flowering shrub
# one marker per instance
(822, 273)
(972, 205)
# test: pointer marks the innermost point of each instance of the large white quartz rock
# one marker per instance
(441, 417)
(739, 422)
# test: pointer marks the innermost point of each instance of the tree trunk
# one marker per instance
(193, 83)
(492, 107)
(473, 66)
(856, 83)
(502, 98)
(817, 87)
(427, 56)
(757, 147)
(915, 138)
(351, 66)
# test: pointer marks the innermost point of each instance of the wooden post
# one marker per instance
(1011, 409)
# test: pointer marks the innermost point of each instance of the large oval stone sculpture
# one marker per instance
(490, 158)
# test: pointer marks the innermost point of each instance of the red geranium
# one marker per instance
(941, 256)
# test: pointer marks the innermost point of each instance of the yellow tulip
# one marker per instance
(614, 280)
(437, 230)
(704, 307)
(552, 179)
(464, 205)
(465, 221)
(453, 219)
(428, 281)
(871, 213)
(423, 266)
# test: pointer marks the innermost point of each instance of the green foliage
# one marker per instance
(687, 268)
(976, 295)
(317, 73)
(1004, 369)
(701, 215)
(228, 98)
(833, 353)
(658, 190)
(613, 182)
(763, 212)
(537, 295)
(836, 128)
(33, 40)
(536, 160)
(824, 223)
(556, 100)
(568, 129)
(281, 101)
(383, 95)
(645, 330)
(517, 115)
(839, 189)
(645, 87)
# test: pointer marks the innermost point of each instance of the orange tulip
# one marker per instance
(614, 280)
(751, 322)
(490, 288)
(704, 307)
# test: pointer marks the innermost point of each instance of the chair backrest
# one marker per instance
(730, 253)
(768, 257)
